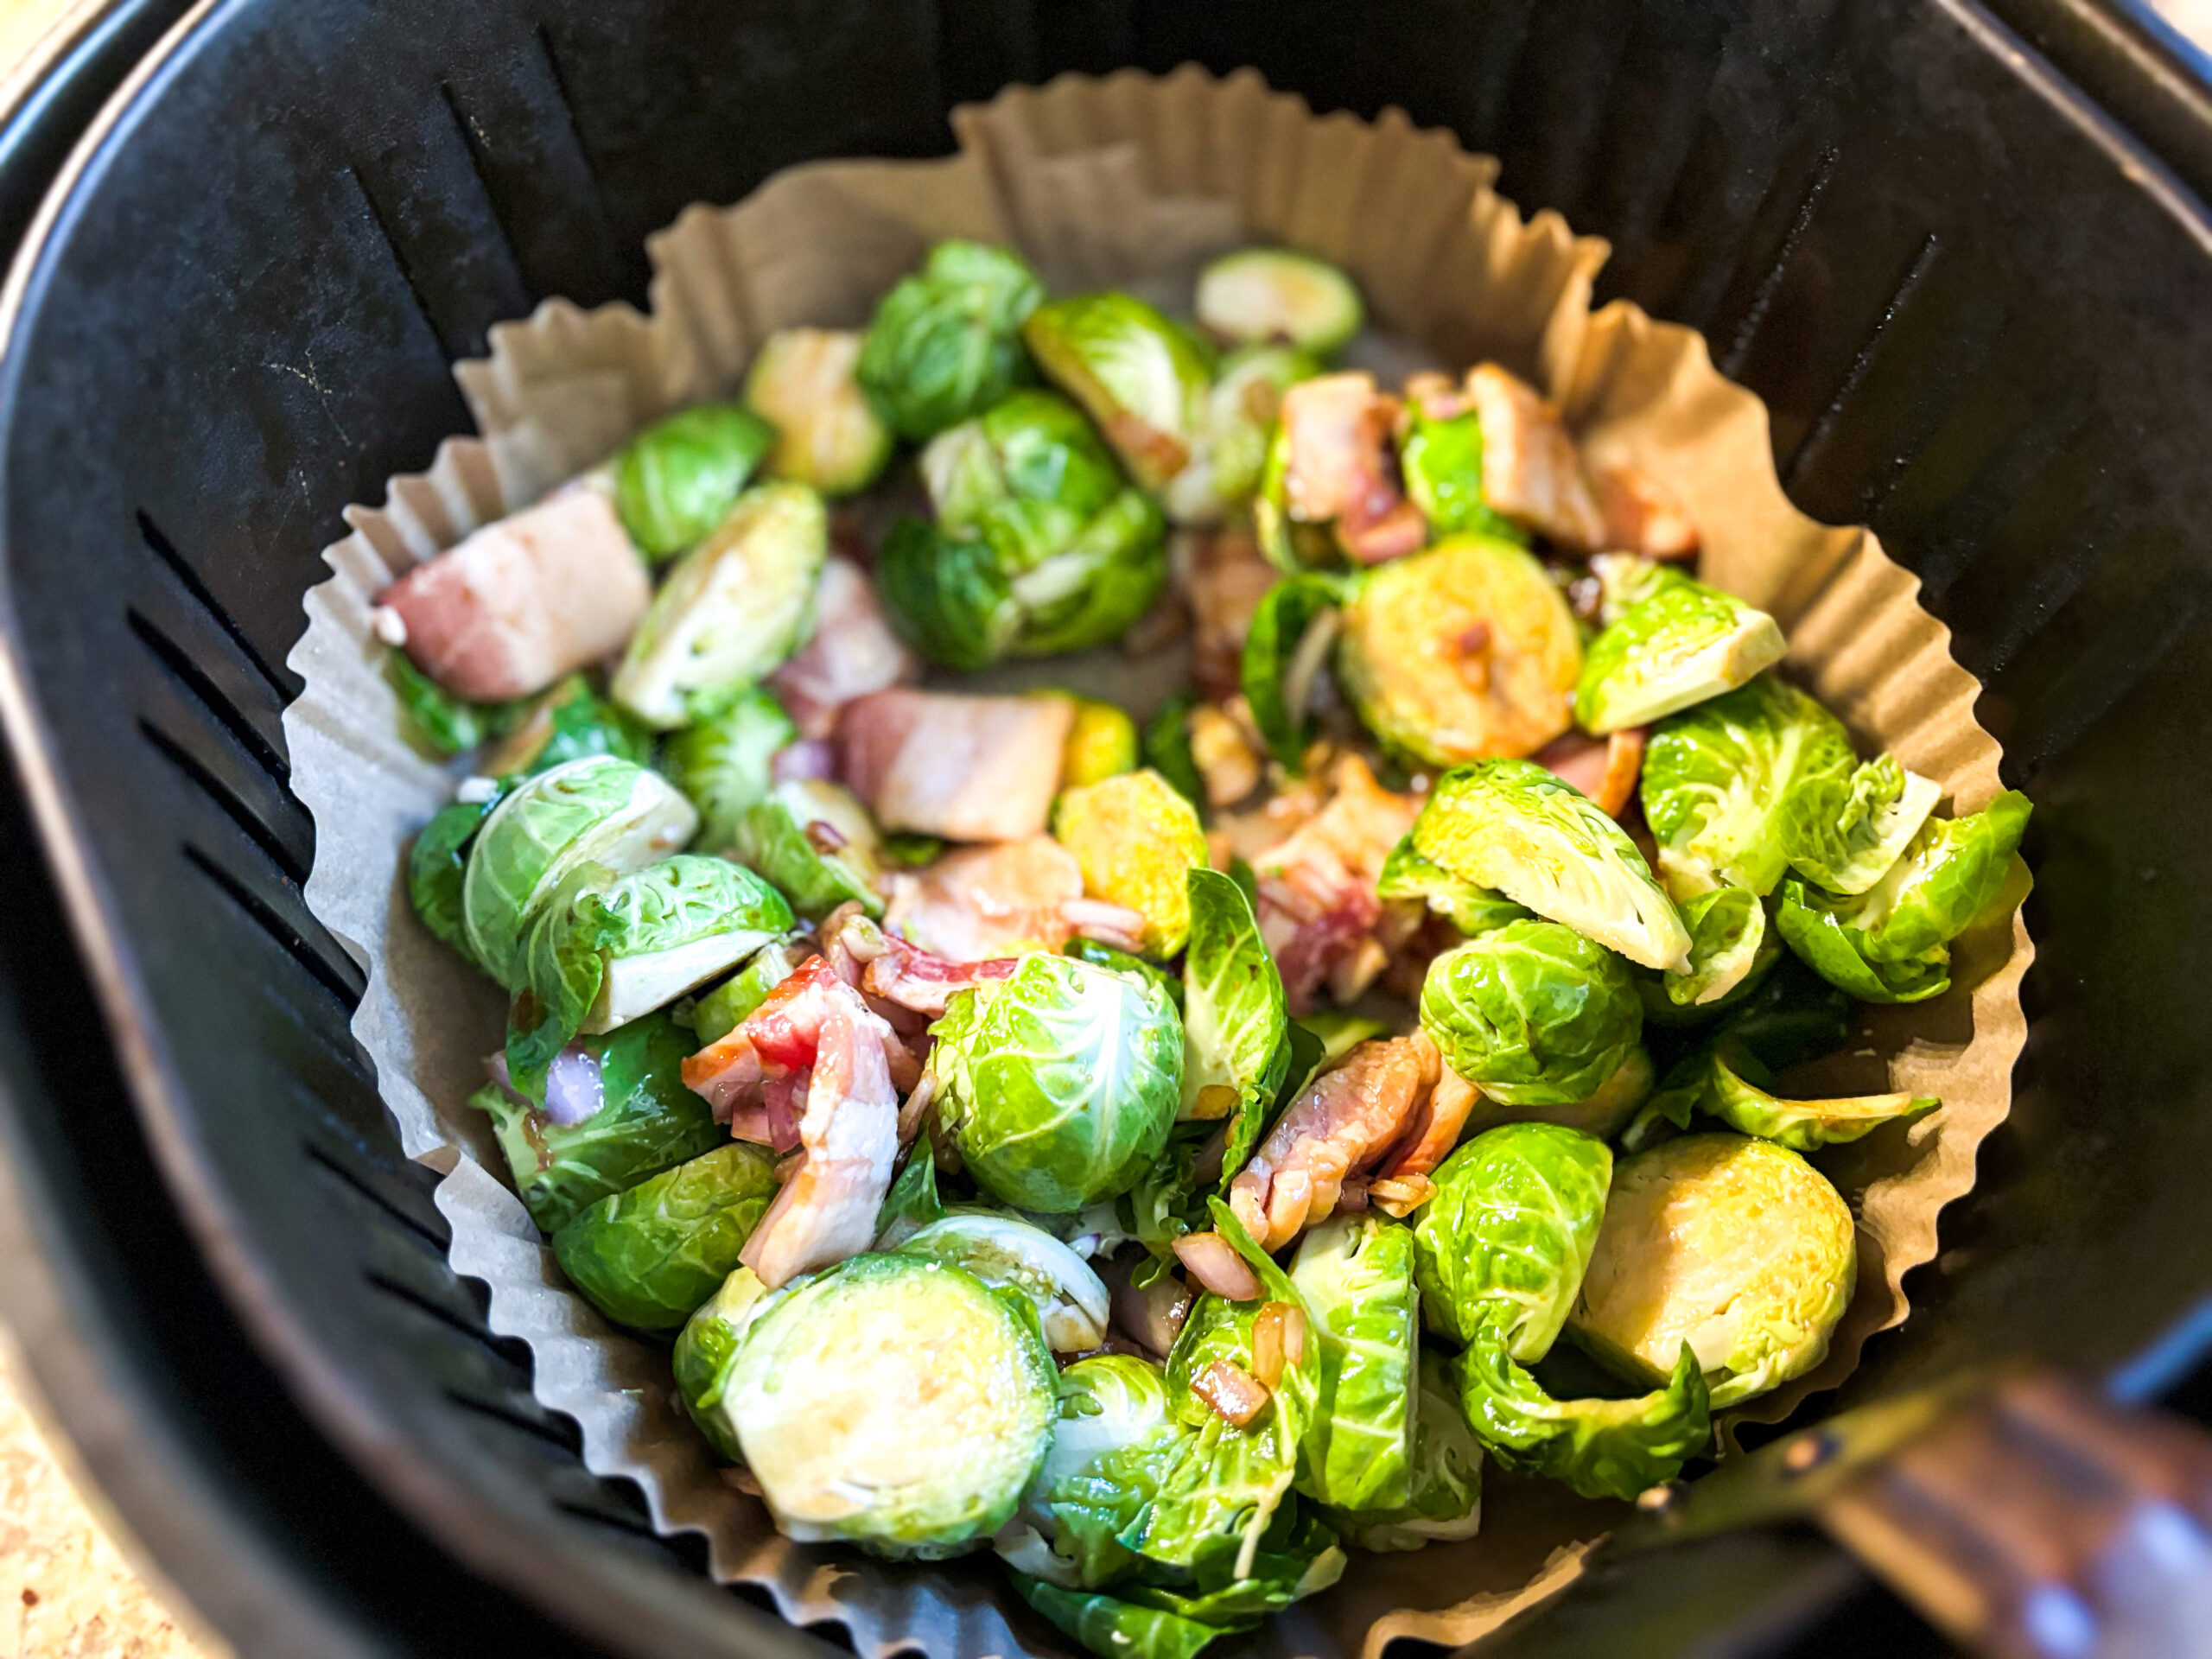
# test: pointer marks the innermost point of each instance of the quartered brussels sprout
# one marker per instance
(1140, 378)
(1716, 777)
(1446, 1504)
(437, 866)
(1059, 1083)
(720, 762)
(1114, 1412)
(727, 1007)
(1724, 1081)
(945, 342)
(647, 1122)
(1533, 1013)
(1737, 1247)
(1683, 645)
(1461, 652)
(1728, 942)
(1009, 1254)
(816, 843)
(1843, 834)
(1286, 647)
(653, 1256)
(1354, 1276)
(894, 1402)
(1473, 909)
(598, 811)
(1275, 295)
(1238, 419)
(732, 608)
(1101, 744)
(1442, 456)
(565, 722)
(706, 1353)
(1511, 826)
(1137, 841)
(675, 480)
(803, 382)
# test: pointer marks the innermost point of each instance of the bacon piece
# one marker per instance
(967, 768)
(1348, 1117)
(780, 1038)
(915, 979)
(524, 599)
(1605, 769)
(853, 652)
(1531, 469)
(1433, 1129)
(773, 1123)
(1642, 515)
(1338, 429)
(995, 900)
(1317, 886)
(1227, 577)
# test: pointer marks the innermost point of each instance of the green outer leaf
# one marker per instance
(1473, 909)
(1601, 1448)
(1355, 1276)
(675, 480)
(1733, 1087)
(1024, 478)
(720, 762)
(1443, 465)
(1943, 880)
(1235, 1016)
(947, 599)
(1115, 1629)
(436, 863)
(1816, 932)
(1448, 1499)
(449, 725)
(1683, 643)
(1728, 938)
(1843, 834)
(1105, 956)
(944, 343)
(1168, 747)
(706, 1351)
(1140, 378)
(1285, 612)
(652, 1256)
(1532, 1013)
(1090, 594)
(913, 1202)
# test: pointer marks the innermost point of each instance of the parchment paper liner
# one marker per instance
(1129, 179)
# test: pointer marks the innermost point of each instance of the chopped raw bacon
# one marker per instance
(997, 900)
(1642, 515)
(1226, 579)
(1317, 886)
(1337, 430)
(780, 1038)
(1532, 471)
(1432, 1130)
(1604, 768)
(853, 652)
(915, 979)
(966, 768)
(773, 1123)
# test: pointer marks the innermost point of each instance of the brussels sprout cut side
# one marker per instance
(1140, 378)
(1684, 644)
(1275, 296)
(1137, 841)
(828, 434)
(675, 480)
(1070, 1299)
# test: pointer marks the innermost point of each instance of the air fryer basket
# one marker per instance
(1969, 304)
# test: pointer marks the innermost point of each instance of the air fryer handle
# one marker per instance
(2042, 1521)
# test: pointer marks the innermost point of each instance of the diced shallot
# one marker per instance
(1278, 1341)
(575, 1091)
(1212, 1261)
(806, 761)
(1230, 1390)
(1154, 1316)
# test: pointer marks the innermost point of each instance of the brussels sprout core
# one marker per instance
(827, 432)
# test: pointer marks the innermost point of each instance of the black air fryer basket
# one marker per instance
(1975, 305)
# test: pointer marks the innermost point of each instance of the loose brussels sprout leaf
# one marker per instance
(1138, 841)
(1101, 744)
(894, 1402)
(436, 864)
(732, 609)
(1715, 780)
(1355, 1277)
(1135, 372)
(1059, 1083)
(1736, 1248)
(1115, 1436)
(1262, 295)
(650, 1122)
(650, 1256)
(1533, 1013)
(913, 1202)
(720, 762)
(1730, 1085)
(446, 724)
(1814, 930)
(945, 342)
(1683, 645)
(675, 480)
(1728, 935)
(705, 1352)
(1293, 546)
(827, 432)
(1289, 642)
(816, 841)
(1602, 1114)
(1443, 465)
(947, 598)
(566, 722)
(1235, 427)
(1105, 956)
(1295, 1556)
(1945, 878)
(1600, 1448)
(1026, 478)
(1235, 1017)
(1473, 909)
(1070, 1299)
(1508, 1234)
(1168, 747)
(599, 811)
(1461, 652)
(1447, 1498)
(1844, 833)
(1114, 1629)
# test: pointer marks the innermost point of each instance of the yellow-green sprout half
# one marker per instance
(1137, 841)
(827, 432)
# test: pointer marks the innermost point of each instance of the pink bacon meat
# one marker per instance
(968, 768)
(1338, 429)
(852, 653)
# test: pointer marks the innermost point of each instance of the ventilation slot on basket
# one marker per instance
(260, 835)
(282, 681)
(438, 1238)
(345, 984)
(174, 658)
(510, 1353)
(1761, 299)
(1831, 412)
(546, 1427)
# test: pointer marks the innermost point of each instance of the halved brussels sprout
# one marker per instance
(732, 608)
(653, 1256)
(1602, 1114)
(1442, 456)
(894, 1402)
(827, 432)
(1024, 478)
(1355, 1277)
(1447, 1498)
(816, 841)
(1737, 1247)
(1728, 938)
(1286, 649)
(1461, 652)
(1276, 295)
(1716, 777)
(1473, 909)
(945, 341)
(1725, 1082)
(1844, 833)
(1140, 378)
(1011, 1254)
(437, 864)
(720, 762)
(1114, 1414)
(675, 480)
(1532, 1013)
(1511, 826)
(1230, 456)
(1101, 744)
(597, 811)
(725, 1007)
(706, 1352)
(1683, 645)
(565, 722)
(1059, 1083)
(1137, 841)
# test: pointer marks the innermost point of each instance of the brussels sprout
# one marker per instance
(948, 599)
(1473, 909)
(1728, 938)
(1137, 841)
(1602, 1114)
(705, 1352)
(1844, 833)
(597, 811)
(1814, 930)
(649, 1123)
(816, 841)
(1736, 1248)
(1135, 372)
(1234, 1018)
(1626, 580)
(945, 341)
(1791, 1015)
(1093, 592)
(1461, 652)
(894, 1402)
(1099, 954)
(1113, 1418)
(1683, 645)
(1285, 651)
(732, 608)
(1011, 1254)
(827, 432)
(1727, 1082)
(1447, 1498)
(675, 480)
(1508, 1234)
(1024, 478)
(1442, 458)
(1355, 1277)
(720, 762)
(727, 1007)
(1059, 1083)
(1114, 1629)
(650, 1256)
(1716, 777)
(1168, 747)
(442, 722)
(1235, 427)
(437, 864)
(1533, 1013)
(1258, 295)
(1101, 744)
(566, 722)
